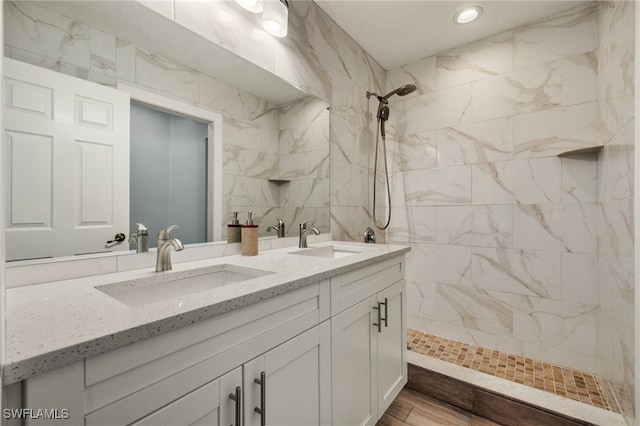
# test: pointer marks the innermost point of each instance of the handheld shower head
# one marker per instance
(401, 91)
(383, 115)
(383, 110)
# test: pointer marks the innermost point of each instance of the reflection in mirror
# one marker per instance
(275, 138)
(168, 173)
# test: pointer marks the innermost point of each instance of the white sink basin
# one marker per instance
(173, 285)
(331, 252)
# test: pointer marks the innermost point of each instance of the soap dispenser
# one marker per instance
(249, 237)
(140, 239)
(233, 229)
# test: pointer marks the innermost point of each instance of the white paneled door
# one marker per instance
(66, 163)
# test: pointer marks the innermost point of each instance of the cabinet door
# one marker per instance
(286, 383)
(231, 396)
(391, 345)
(353, 361)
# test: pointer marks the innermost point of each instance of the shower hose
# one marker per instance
(386, 174)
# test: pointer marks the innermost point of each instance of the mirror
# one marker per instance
(275, 138)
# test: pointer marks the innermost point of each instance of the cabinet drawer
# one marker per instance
(202, 351)
(201, 404)
(355, 286)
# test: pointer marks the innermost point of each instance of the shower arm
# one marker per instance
(382, 100)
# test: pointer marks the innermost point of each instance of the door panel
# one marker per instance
(293, 381)
(251, 389)
(392, 343)
(353, 390)
(228, 384)
(66, 163)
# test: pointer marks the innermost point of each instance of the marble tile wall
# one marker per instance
(504, 233)
(615, 349)
(303, 161)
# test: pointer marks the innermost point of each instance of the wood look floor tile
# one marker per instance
(481, 421)
(389, 420)
(411, 408)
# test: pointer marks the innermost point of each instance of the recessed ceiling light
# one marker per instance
(467, 15)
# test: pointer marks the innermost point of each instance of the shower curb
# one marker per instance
(498, 408)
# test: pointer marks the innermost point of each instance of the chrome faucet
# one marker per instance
(165, 242)
(279, 228)
(140, 239)
(302, 240)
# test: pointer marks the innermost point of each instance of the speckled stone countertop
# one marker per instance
(55, 324)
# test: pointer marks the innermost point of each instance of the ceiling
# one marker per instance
(397, 32)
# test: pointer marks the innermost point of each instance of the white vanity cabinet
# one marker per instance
(195, 368)
(368, 342)
(330, 352)
(281, 387)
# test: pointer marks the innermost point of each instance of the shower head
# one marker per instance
(383, 109)
(401, 91)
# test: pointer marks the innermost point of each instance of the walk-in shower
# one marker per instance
(383, 115)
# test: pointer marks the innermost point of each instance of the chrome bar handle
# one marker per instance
(237, 397)
(263, 391)
(379, 323)
(386, 310)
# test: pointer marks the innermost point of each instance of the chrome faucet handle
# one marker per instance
(165, 234)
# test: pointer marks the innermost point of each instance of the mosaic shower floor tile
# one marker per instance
(562, 381)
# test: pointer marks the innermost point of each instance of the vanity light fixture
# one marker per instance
(254, 6)
(467, 15)
(275, 17)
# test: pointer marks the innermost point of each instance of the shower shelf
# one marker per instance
(591, 150)
(279, 180)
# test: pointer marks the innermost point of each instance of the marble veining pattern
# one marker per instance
(518, 92)
(481, 142)
(488, 57)
(549, 132)
(517, 182)
(51, 34)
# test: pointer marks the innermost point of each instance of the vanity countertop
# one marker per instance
(55, 324)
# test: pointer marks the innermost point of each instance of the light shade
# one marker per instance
(255, 6)
(275, 17)
(467, 15)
